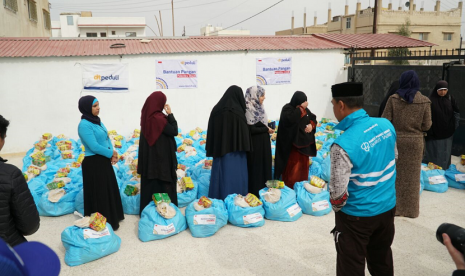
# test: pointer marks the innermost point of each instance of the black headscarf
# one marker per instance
(85, 106)
(227, 126)
(392, 90)
(291, 132)
(442, 111)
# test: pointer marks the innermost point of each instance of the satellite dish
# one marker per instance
(407, 4)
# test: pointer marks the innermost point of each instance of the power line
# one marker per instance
(100, 3)
(219, 15)
(146, 11)
(250, 16)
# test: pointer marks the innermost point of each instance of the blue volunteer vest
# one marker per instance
(370, 144)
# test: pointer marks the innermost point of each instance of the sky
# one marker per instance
(193, 14)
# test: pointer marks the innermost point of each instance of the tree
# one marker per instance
(404, 30)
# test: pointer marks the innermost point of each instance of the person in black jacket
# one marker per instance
(456, 256)
(157, 150)
(18, 212)
(259, 159)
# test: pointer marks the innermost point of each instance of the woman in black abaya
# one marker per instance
(228, 141)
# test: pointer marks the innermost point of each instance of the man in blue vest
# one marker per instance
(362, 185)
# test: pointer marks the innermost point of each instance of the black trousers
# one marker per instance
(360, 239)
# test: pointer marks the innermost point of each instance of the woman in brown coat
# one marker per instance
(410, 113)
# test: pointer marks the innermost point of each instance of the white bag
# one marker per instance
(180, 173)
(460, 167)
(312, 189)
(273, 195)
(166, 211)
(198, 207)
(240, 201)
(56, 195)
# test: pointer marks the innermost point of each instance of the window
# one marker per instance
(113, 32)
(103, 34)
(448, 37)
(423, 36)
(91, 34)
(70, 20)
(32, 9)
(47, 23)
(348, 21)
(12, 5)
(130, 34)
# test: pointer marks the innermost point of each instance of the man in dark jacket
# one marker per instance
(18, 212)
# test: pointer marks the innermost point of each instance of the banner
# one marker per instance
(105, 77)
(174, 74)
(273, 71)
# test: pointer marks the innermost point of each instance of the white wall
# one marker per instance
(69, 30)
(119, 31)
(41, 95)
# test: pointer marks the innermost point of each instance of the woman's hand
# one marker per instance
(270, 130)
(168, 109)
(309, 128)
(114, 158)
(456, 255)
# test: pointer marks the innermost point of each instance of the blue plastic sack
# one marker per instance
(204, 185)
(326, 169)
(315, 169)
(37, 188)
(435, 180)
(312, 204)
(63, 207)
(286, 209)
(207, 222)
(80, 251)
(131, 204)
(79, 202)
(187, 197)
(151, 221)
(422, 182)
(455, 178)
(244, 217)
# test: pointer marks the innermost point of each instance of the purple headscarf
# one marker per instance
(409, 85)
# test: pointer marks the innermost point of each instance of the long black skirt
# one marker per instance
(101, 193)
(148, 187)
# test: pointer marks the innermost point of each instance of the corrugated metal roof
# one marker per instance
(51, 47)
(54, 47)
(375, 41)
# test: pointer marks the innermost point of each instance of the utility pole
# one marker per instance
(375, 24)
(184, 33)
(159, 31)
(161, 23)
(172, 14)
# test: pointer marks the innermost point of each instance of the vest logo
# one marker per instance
(366, 147)
(283, 59)
(102, 78)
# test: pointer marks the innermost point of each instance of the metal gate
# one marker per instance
(377, 79)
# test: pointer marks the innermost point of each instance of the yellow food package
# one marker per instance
(41, 145)
(276, 184)
(198, 129)
(462, 160)
(118, 144)
(34, 170)
(26, 177)
(136, 133)
(203, 142)
(81, 157)
(317, 182)
(133, 165)
(188, 183)
(204, 136)
(253, 200)
(83, 148)
(112, 132)
(75, 165)
(433, 166)
(61, 136)
(182, 167)
(118, 137)
(205, 202)
(181, 148)
(191, 133)
(67, 154)
(47, 136)
(97, 222)
(39, 161)
(208, 163)
(188, 142)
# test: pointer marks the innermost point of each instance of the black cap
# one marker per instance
(347, 89)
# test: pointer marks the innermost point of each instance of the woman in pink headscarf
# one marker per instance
(157, 150)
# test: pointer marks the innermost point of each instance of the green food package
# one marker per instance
(131, 190)
(161, 197)
(55, 185)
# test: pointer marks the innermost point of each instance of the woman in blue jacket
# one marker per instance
(101, 193)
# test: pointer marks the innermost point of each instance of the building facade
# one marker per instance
(442, 28)
(25, 18)
(84, 25)
(209, 30)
